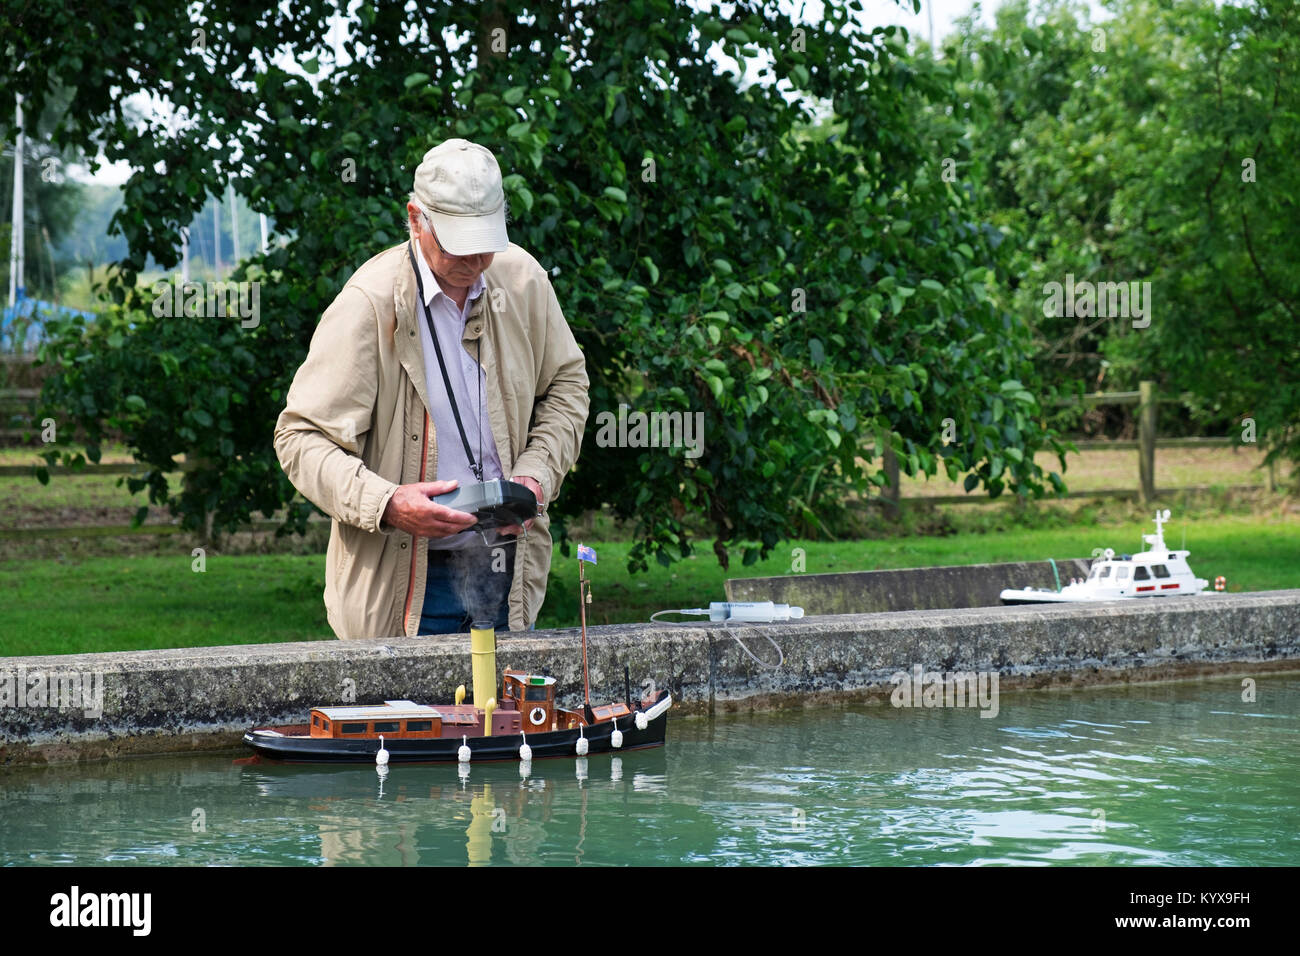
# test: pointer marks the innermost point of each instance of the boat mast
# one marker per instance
(584, 595)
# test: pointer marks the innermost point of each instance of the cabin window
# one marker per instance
(535, 693)
(1092, 576)
(325, 725)
(315, 721)
(417, 726)
(1122, 574)
(386, 726)
(1140, 573)
(1105, 570)
(1160, 570)
(353, 728)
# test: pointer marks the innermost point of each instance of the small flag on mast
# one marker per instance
(586, 554)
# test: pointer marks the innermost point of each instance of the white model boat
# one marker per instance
(1156, 572)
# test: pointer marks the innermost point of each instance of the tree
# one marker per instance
(804, 295)
(1151, 147)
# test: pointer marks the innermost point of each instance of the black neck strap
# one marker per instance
(474, 465)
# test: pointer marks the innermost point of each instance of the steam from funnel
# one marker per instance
(481, 579)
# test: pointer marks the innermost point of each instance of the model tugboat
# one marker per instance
(525, 723)
(1156, 572)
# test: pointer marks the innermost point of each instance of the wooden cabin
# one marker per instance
(527, 704)
(404, 719)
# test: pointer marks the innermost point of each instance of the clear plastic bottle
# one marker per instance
(753, 612)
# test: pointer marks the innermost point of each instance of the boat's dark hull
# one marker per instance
(559, 743)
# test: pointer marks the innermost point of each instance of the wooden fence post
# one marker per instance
(891, 494)
(1147, 440)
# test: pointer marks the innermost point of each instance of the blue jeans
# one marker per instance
(450, 573)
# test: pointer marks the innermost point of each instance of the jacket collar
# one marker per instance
(407, 332)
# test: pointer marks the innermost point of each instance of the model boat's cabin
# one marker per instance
(533, 696)
(1143, 573)
(404, 719)
(527, 705)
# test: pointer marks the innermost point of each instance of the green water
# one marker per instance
(1172, 774)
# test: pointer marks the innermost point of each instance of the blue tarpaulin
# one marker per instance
(27, 318)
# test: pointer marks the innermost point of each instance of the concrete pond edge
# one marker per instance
(64, 708)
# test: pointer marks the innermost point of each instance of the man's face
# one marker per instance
(453, 270)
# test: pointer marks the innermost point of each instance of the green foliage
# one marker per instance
(1120, 150)
(816, 297)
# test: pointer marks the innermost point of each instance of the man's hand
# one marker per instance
(410, 510)
(535, 487)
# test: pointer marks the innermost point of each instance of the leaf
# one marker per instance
(613, 192)
(415, 79)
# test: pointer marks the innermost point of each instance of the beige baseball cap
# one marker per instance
(459, 182)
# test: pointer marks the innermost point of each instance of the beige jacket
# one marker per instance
(356, 425)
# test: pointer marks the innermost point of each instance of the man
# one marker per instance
(376, 413)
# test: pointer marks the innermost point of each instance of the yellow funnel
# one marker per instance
(483, 661)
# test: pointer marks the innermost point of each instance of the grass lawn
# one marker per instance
(116, 603)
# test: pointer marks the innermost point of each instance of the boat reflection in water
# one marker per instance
(438, 815)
